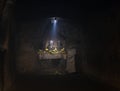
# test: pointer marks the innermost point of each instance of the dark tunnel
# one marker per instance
(59, 45)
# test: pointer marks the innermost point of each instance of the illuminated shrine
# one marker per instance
(54, 47)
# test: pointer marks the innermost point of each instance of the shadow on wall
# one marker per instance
(100, 53)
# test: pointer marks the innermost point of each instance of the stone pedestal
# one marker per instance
(70, 64)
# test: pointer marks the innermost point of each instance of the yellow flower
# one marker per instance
(46, 49)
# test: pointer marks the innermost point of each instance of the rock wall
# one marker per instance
(99, 52)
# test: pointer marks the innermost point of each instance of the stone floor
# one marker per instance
(71, 82)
